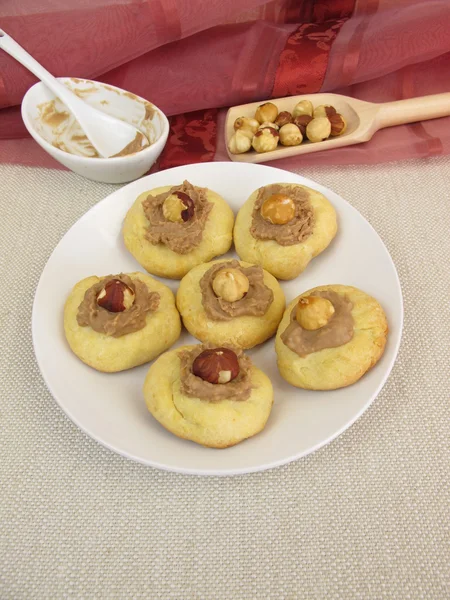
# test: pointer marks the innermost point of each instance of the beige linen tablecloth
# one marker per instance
(365, 517)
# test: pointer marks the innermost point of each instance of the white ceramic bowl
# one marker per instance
(114, 101)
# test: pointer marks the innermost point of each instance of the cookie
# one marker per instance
(299, 223)
(343, 334)
(244, 320)
(187, 406)
(138, 321)
(169, 230)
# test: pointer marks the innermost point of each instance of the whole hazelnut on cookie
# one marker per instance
(318, 129)
(265, 139)
(313, 312)
(324, 110)
(278, 209)
(304, 107)
(283, 118)
(266, 112)
(178, 207)
(338, 124)
(230, 284)
(240, 141)
(246, 123)
(116, 296)
(290, 135)
(220, 365)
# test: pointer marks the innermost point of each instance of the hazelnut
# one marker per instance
(246, 123)
(116, 296)
(301, 122)
(283, 118)
(230, 284)
(313, 312)
(240, 142)
(178, 207)
(269, 124)
(304, 107)
(318, 129)
(266, 112)
(220, 365)
(290, 135)
(324, 110)
(338, 124)
(278, 209)
(265, 139)
(247, 132)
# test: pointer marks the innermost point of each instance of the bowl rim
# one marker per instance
(102, 160)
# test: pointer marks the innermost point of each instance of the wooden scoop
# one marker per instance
(363, 120)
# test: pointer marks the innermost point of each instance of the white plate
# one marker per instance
(111, 409)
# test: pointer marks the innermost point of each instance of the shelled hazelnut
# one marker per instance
(266, 112)
(278, 209)
(290, 135)
(304, 107)
(230, 284)
(283, 118)
(269, 124)
(318, 129)
(219, 366)
(178, 207)
(324, 110)
(265, 139)
(240, 141)
(302, 121)
(313, 312)
(338, 124)
(116, 296)
(246, 123)
(247, 132)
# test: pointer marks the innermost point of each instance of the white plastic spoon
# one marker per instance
(108, 135)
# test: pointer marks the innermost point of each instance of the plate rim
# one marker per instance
(227, 472)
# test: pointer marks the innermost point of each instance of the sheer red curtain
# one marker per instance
(193, 58)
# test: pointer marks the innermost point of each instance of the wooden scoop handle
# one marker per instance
(414, 109)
